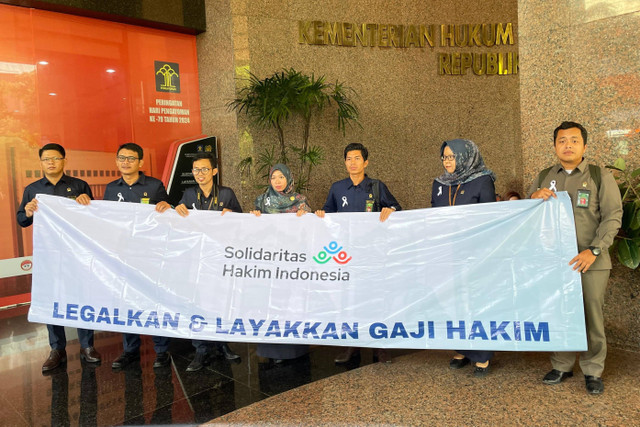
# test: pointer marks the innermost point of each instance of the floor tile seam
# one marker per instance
(7, 403)
(243, 383)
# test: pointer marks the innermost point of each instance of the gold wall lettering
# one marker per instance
(451, 36)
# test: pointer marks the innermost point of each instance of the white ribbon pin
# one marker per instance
(194, 206)
(344, 201)
(440, 191)
(552, 186)
(120, 198)
(268, 201)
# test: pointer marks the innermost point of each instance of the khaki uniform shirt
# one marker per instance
(597, 224)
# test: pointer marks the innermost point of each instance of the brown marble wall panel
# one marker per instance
(406, 108)
(580, 61)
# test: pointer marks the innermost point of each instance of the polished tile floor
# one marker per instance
(84, 394)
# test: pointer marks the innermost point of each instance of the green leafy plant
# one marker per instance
(272, 101)
(627, 244)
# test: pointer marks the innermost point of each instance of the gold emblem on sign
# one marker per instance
(462, 192)
(208, 148)
(145, 194)
(370, 196)
(68, 189)
(168, 73)
(584, 184)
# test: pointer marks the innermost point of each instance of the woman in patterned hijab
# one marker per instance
(280, 197)
(468, 161)
(466, 180)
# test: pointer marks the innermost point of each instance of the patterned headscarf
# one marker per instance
(272, 201)
(469, 163)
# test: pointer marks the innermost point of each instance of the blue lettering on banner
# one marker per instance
(399, 330)
(311, 330)
(330, 332)
(219, 329)
(291, 329)
(531, 332)
(495, 330)
(455, 329)
(273, 329)
(56, 314)
(517, 332)
(238, 327)
(451, 330)
(72, 311)
(378, 330)
(477, 330)
(152, 320)
(197, 323)
(103, 316)
(87, 314)
(116, 318)
(348, 330)
(256, 326)
(134, 318)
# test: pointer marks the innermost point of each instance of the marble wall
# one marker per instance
(580, 61)
(406, 108)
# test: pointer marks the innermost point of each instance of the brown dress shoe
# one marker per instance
(381, 355)
(346, 355)
(56, 358)
(90, 354)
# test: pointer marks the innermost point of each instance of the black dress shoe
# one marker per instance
(228, 353)
(198, 362)
(90, 354)
(125, 359)
(55, 359)
(594, 384)
(458, 363)
(556, 377)
(380, 355)
(480, 372)
(162, 359)
(347, 355)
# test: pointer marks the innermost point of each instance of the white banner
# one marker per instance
(492, 276)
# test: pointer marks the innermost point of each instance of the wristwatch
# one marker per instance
(595, 250)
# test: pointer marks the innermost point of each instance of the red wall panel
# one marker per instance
(89, 85)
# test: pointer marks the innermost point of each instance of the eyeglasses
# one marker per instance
(449, 158)
(196, 171)
(51, 159)
(128, 159)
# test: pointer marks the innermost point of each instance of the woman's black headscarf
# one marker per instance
(469, 163)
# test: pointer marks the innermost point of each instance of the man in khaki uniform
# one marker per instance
(597, 209)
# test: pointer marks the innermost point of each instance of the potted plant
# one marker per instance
(627, 243)
(271, 101)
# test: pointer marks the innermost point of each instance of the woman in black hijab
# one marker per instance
(466, 180)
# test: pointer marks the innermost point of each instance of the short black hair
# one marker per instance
(202, 156)
(356, 146)
(570, 125)
(131, 146)
(52, 146)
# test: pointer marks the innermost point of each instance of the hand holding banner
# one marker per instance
(491, 276)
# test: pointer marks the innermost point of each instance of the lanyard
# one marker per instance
(452, 203)
(214, 198)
